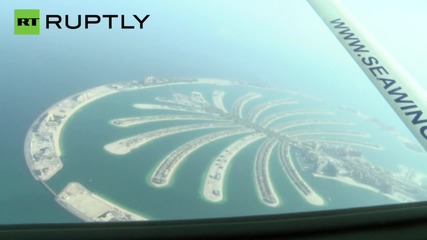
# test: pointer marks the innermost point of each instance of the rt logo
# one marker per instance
(27, 22)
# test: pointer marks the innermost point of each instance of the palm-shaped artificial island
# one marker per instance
(312, 143)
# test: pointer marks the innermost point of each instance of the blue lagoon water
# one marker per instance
(124, 179)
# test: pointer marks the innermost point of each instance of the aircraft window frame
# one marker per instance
(334, 224)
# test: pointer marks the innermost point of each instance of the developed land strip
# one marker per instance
(340, 142)
(42, 149)
(214, 181)
(91, 207)
(124, 146)
(289, 125)
(278, 116)
(297, 181)
(326, 132)
(396, 196)
(131, 121)
(148, 106)
(218, 100)
(166, 168)
(240, 103)
(254, 113)
(264, 185)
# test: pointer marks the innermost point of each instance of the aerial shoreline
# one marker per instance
(42, 147)
(52, 120)
(265, 189)
(90, 207)
(214, 180)
(296, 180)
(351, 182)
(126, 145)
(49, 126)
(166, 168)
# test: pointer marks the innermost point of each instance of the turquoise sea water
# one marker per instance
(124, 179)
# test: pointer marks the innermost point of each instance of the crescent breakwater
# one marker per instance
(91, 207)
(42, 148)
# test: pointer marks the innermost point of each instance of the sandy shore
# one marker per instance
(95, 93)
(167, 167)
(272, 118)
(313, 198)
(128, 122)
(347, 180)
(67, 107)
(51, 133)
(240, 103)
(323, 132)
(257, 111)
(88, 96)
(265, 166)
(53, 120)
(360, 144)
(91, 207)
(218, 100)
(124, 146)
(289, 125)
(214, 181)
(215, 81)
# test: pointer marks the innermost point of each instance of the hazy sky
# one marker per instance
(280, 42)
(180, 26)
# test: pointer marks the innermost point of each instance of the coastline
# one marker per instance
(282, 127)
(132, 121)
(398, 197)
(126, 145)
(296, 180)
(214, 180)
(348, 181)
(166, 168)
(90, 207)
(360, 144)
(42, 150)
(266, 192)
(61, 111)
(48, 127)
